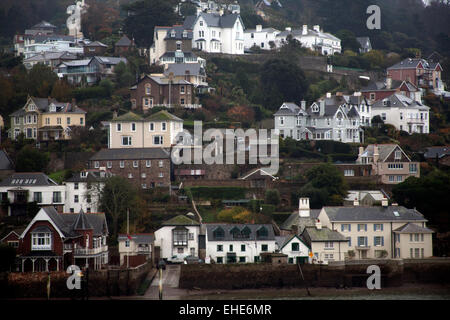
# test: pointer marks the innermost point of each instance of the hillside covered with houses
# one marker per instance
(102, 165)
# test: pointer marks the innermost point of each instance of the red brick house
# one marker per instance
(12, 238)
(122, 46)
(53, 241)
(95, 48)
(419, 72)
(380, 90)
(158, 90)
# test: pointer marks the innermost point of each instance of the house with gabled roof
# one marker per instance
(94, 48)
(294, 247)
(178, 236)
(45, 119)
(161, 90)
(378, 90)
(364, 44)
(53, 241)
(260, 37)
(22, 188)
(135, 245)
(422, 73)
(403, 113)
(379, 231)
(238, 243)
(123, 45)
(330, 118)
(173, 39)
(389, 162)
(213, 32)
(131, 130)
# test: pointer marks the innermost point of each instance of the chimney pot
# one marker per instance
(303, 207)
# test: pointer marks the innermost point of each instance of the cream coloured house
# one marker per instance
(380, 231)
(389, 162)
(136, 245)
(133, 131)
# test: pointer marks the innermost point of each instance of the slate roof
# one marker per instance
(82, 222)
(300, 222)
(43, 25)
(179, 30)
(123, 42)
(375, 213)
(131, 154)
(212, 20)
(96, 44)
(287, 109)
(412, 228)
(179, 69)
(377, 195)
(138, 238)
(384, 150)
(268, 30)
(323, 234)
(400, 101)
(110, 60)
(66, 222)
(51, 55)
(228, 235)
(92, 176)
(5, 162)
(180, 220)
(440, 152)
(364, 42)
(171, 54)
(42, 38)
(26, 179)
(162, 80)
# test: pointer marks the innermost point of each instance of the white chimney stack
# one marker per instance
(388, 83)
(356, 202)
(328, 94)
(316, 28)
(384, 202)
(258, 28)
(288, 29)
(361, 150)
(303, 104)
(303, 207)
(357, 94)
(305, 30)
(318, 225)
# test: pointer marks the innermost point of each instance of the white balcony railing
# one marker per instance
(88, 251)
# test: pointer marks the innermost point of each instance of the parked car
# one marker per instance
(161, 264)
(193, 260)
(178, 258)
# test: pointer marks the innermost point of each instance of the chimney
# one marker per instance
(395, 204)
(322, 107)
(388, 83)
(356, 202)
(303, 105)
(361, 150)
(258, 28)
(328, 94)
(376, 154)
(384, 202)
(303, 207)
(74, 102)
(305, 30)
(114, 114)
(316, 28)
(49, 99)
(339, 94)
(357, 94)
(288, 29)
(318, 225)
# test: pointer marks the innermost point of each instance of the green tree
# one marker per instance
(123, 76)
(272, 197)
(144, 15)
(325, 185)
(118, 195)
(40, 80)
(29, 159)
(282, 81)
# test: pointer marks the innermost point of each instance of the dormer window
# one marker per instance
(173, 34)
(32, 107)
(185, 34)
(201, 23)
(52, 108)
(83, 174)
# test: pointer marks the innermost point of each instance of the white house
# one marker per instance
(403, 113)
(139, 244)
(260, 37)
(314, 39)
(294, 247)
(177, 236)
(331, 118)
(22, 188)
(54, 43)
(238, 243)
(83, 190)
(217, 33)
